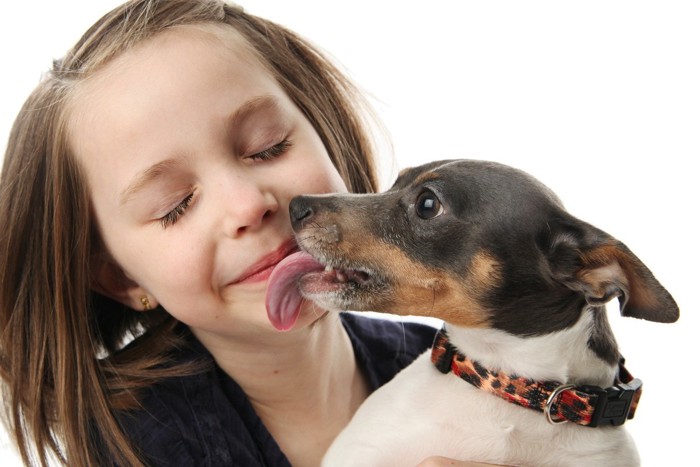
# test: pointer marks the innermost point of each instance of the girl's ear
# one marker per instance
(109, 279)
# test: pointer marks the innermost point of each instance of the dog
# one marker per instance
(521, 286)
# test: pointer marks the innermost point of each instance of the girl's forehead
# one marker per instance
(208, 38)
(170, 56)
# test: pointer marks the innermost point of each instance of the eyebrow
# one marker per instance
(255, 105)
(151, 174)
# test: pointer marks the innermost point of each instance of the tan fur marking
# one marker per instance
(597, 278)
(484, 272)
(425, 177)
(423, 291)
(609, 261)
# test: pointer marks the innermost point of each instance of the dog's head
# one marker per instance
(474, 243)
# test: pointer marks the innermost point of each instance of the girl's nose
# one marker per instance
(250, 208)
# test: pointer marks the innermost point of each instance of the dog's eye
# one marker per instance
(428, 205)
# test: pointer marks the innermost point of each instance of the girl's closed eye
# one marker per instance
(178, 211)
(273, 151)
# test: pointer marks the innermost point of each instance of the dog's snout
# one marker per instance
(300, 209)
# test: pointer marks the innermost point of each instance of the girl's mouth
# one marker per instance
(262, 269)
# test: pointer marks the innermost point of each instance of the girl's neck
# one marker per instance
(305, 367)
(305, 386)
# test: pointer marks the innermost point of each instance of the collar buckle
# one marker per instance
(443, 352)
(616, 404)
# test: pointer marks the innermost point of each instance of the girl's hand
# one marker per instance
(437, 461)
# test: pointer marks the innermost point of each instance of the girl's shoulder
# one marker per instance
(203, 418)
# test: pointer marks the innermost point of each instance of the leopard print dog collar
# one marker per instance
(585, 405)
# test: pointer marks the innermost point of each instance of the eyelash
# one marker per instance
(273, 151)
(173, 216)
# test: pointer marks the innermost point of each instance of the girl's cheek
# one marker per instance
(327, 179)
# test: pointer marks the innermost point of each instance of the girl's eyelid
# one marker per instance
(168, 202)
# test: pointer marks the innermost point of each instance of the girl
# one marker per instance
(144, 206)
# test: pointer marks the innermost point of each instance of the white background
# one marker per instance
(598, 99)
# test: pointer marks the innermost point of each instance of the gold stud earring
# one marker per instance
(146, 303)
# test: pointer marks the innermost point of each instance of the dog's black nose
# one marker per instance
(299, 210)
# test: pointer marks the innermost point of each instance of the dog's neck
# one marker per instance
(564, 356)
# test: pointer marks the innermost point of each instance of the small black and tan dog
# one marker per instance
(521, 285)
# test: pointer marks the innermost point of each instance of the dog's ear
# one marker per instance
(592, 262)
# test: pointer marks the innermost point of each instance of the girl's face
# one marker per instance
(192, 153)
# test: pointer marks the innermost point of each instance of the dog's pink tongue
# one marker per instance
(283, 300)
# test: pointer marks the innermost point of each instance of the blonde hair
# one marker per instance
(65, 374)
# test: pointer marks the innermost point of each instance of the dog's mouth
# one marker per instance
(331, 285)
(342, 286)
(334, 279)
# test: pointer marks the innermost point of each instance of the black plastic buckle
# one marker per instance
(613, 404)
(445, 362)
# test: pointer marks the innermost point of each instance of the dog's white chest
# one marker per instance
(423, 413)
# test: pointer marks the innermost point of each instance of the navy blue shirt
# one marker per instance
(206, 419)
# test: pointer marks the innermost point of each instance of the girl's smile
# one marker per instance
(261, 270)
